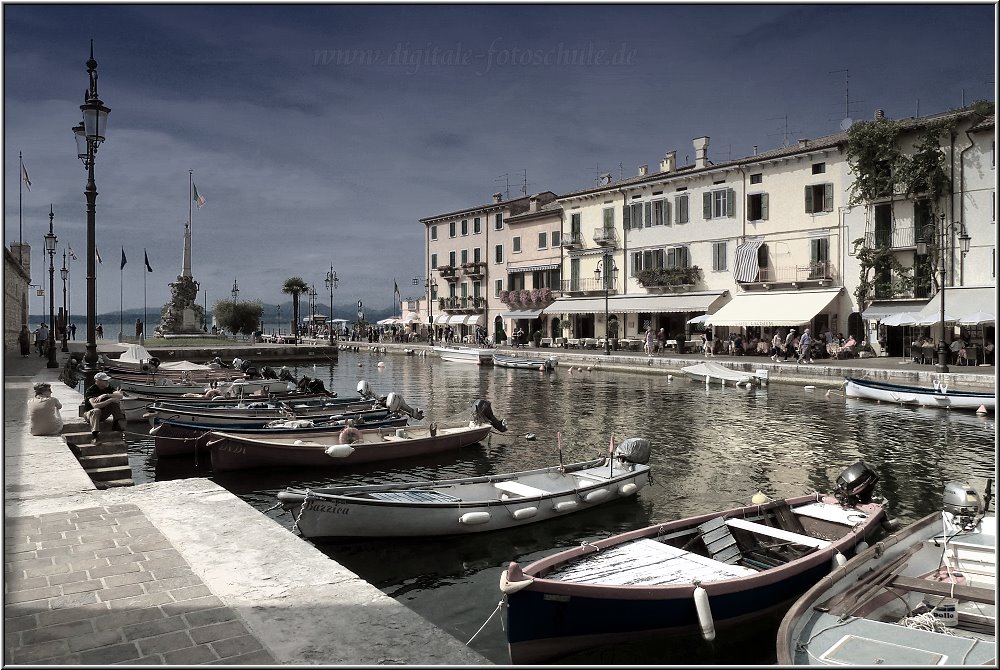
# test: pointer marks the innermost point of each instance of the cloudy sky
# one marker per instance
(319, 134)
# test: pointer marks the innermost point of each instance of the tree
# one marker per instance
(238, 317)
(295, 286)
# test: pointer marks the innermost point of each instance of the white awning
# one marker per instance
(685, 302)
(961, 300)
(786, 308)
(878, 311)
(441, 319)
(533, 268)
(456, 319)
(474, 320)
(521, 314)
(410, 317)
(747, 269)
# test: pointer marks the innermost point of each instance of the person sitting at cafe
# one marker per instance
(103, 401)
(957, 349)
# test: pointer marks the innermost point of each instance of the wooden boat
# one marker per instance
(923, 596)
(351, 446)
(137, 406)
(678, 578)
(464, 354)
(707, 371)
(172, 438)
(525, 362)
(938, 396)
(470, 504)
(165, 386)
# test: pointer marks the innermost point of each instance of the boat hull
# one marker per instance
(709, 372)
(394, 511)
(549, 617)
(465, 355)
(918, 395)
(230, 451)
(542, 364)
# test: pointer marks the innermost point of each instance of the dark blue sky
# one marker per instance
(320, 134)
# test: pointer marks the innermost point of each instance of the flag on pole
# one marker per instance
(24, 176)
(198, 199)
(97, 252)
(395, 289)
(123, 259)
(72, 254)
(146, 258)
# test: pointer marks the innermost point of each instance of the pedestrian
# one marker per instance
(789, 348)
(103, 401)
(138, 327)
(72, 331)
(44, 417)
(805, 347)
(649, 342)
(100, 331)
(41, 339)
(661, 340)
(24, 340)
(777, 344)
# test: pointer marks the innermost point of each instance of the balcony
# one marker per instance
(588, 285)
(671, 279)
(474, 268)
(459, 304)
(817, 273)
(571, 241)
(527, 298)
(447, 271)
(897, 238)
(605, 237)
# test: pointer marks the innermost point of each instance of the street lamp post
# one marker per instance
(235, 290)
(331, 283)
(431, 285)
(50, 247)
(964, 239)
(64, 273)
(312, 310)
(89, 135)
(606, 267)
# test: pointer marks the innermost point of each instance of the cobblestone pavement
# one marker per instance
(102, 585)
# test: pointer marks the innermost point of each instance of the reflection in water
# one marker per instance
(713, 448)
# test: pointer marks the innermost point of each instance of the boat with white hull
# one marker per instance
(938, 396)
(707, 372)
(472, 355)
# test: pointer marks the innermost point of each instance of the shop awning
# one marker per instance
(747, 268)
(474, 320)
(685, 302)
(456, 319)
(775, 308)
(533, 268)
(441, 319)
(410, 317)
(521, 314)
(879, 310)
(961, 300)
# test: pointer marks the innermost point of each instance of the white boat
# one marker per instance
(525, 362)
(464, 354)
(938, 396)
(923, 596)
(164, 386)
(138, 359)
(707, 372)
(470, 504)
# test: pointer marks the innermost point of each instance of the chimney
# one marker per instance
(803, 143)
(643, 170)
(701, 151)
(498, 197)
(879, 114)
(755, 150)
(533, 204)
(669, 162)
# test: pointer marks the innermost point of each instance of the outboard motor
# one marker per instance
(482, 412)
(365, 390)
(395, 403)
(963, 503)
(856, 484)
(267, 372)
(316, 386)
(285, 376)
(633, 450)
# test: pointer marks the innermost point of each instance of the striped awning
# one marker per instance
(521, 314)
(533, 268)
(747, 269)
(685, 302)
(774, 308)
(441, 319)
(474, 320)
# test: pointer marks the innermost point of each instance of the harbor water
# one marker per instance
(714, 447)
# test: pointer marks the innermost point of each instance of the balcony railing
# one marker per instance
(606, 237)
(897, 238)
(586, 285)
(571, 241)
(462, 304)
(474, 268)
(447, 270)
(819, 272)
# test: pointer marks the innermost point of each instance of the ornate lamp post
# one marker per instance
(607, 270)
(89, 136)
(235, 290)
(331, 283)
(431, 285)
(50, 247)
(964, 239)
(64, 273)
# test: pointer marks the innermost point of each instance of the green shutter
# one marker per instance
(706, 202)
(649, 214)
(666, 212)
(827, 197)
(763, 206)
(731, 202)
(809, 200)
(627, 217)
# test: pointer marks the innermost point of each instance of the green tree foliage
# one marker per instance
(295, 286)
(875, 159)
(882, 275)
(240, 316)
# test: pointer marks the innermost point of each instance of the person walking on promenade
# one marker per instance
(41, 339)
(24, 340)
(103, 401)
(72, 331)
(805, 347)
(650, 342)
(43, 412)
(789, 347)
(100, 331)
(661, 340)
(777, 344)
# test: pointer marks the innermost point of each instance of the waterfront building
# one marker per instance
(17, 279)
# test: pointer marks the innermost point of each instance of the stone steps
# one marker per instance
(98, 461)
(105, 460)
(110, 473)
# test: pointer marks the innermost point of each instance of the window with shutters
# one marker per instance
(719, 204)
(757, 207)
(515, 245)
(434, 232)
(819, 250)
(681, 208)
(575, 224)
(661, 212)
(451, 259)
(636, 261)
(543, 240)
(465, 227)
(477, 290)
(556, 238)
(634, 214)
(678, 257)
(650, 259)
(498, 253)
(819, 198)
(497, 287)
(498, 221)
(451, 229)
(477, 226)
(574, 274)
(609, 218)
(434, 260)
(719, 253)
(477, 255)
(465, 256)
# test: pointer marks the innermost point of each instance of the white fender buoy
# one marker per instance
(981, 410)
(669, 377)
(759, 498)
(596, 496)
(529, 436)
(507, 586)
(359, 365)
(838, 560)
(566, 506)
(541, 368)
(525, 513)
(339, 451)
(627, 489)
(381, 364)
(474, 518)
(862, 545)
(704, 609)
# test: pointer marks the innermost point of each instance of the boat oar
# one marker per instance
(861, 586)
(559, 446)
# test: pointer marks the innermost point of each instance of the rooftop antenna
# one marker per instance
(784, 133)
(524, 182)
(505, 177)
(621, 171)
(847, 121)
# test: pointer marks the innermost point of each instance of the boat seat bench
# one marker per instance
(519, 489)
(978, 594)
(777, 533)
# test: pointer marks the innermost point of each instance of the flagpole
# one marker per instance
(121, 298)
(20, 185)
(190, 213)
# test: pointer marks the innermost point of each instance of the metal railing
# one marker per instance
(606, 237)
(571, 240)
(816, 271)
(897, 238)
(586, 285)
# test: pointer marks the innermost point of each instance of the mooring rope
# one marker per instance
(492, 614)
